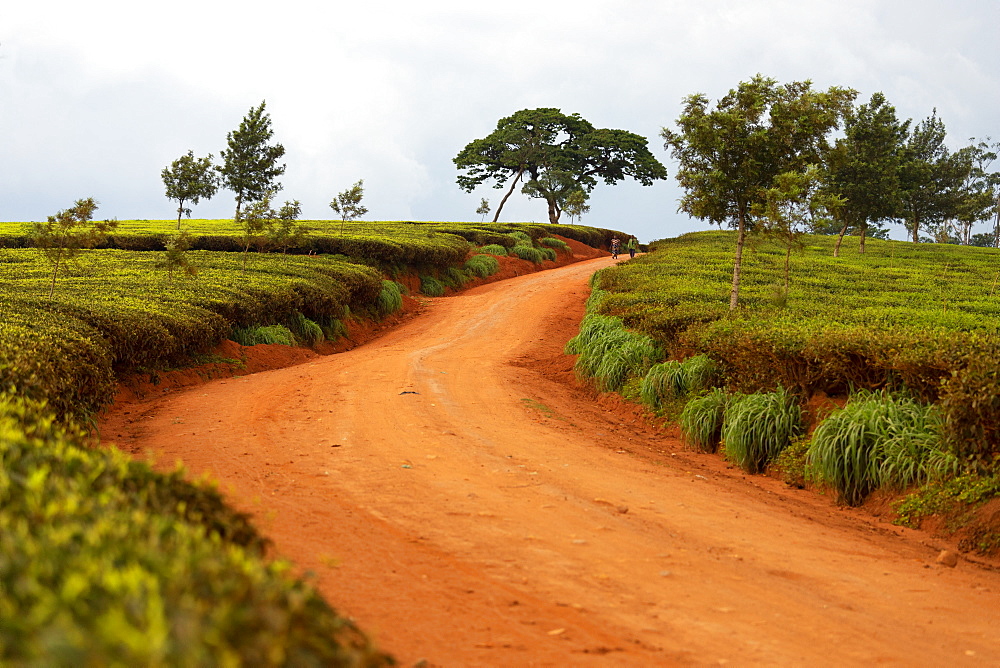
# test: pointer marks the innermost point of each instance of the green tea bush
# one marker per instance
(757, 427)
(105, 562)
(879, 440)
(702, 418)
(482, 265)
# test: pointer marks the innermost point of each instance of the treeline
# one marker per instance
(763, 158)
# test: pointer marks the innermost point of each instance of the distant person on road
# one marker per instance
(632, 246)
(616, 243)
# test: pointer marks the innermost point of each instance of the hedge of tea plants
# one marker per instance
(105, 562)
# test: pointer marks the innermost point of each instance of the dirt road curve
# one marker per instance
(470, 509)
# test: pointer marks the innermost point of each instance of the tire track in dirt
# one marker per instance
(468, 508)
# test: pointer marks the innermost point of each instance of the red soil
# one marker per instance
(454, 490)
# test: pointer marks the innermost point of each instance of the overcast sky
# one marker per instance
(97, 97)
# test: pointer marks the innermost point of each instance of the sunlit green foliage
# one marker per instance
(116, 311)
(494, 249)
(105, 562)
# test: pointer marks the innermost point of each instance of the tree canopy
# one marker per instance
(189, 179)
(554, 155)
(250, 164)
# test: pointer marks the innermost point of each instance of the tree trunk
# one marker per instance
(788, 262)
(840, 240)
(517, 178)
(916, 231)
(864, 230)
(180, 212)
(553, 209)
(741, 236)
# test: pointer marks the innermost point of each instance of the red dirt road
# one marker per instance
(468, 506)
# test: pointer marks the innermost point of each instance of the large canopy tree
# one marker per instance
(554, 155)
(250, 164)
(730, 155)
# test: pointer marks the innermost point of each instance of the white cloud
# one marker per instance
(96, 98)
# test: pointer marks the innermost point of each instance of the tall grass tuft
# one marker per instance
(390, 299)
(252, 336)
(482, 266)
(528, 252)
(757, 427)
(494, 249)
(701, 420)
(305, 330)
(609, 353)
(431, 286)
(557, 244)
(454, 278)
(675, 380)
(879, 440)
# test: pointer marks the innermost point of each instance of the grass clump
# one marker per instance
(757, 427)
(557, 244)
(454, 278)
(529, 253)
(431, 286)
(676, 380)
(305, 330)
(482, 265)
(702, 418)
(252, 336)
(390, 299)
(609, 353)
(494, 249)
(879, 440)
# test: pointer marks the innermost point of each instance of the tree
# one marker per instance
(554, 154)
(250, 165)
(68, 232)
(863, 167)
(979, 189)
(791, 207)
(175, 257)
(484, 209)
(284, 231)
(730, 155)
(347, 204)
(576, 205)
(930, 178)
(261, 225)
(189, 179)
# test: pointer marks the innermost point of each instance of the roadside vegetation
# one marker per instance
(874, 371)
